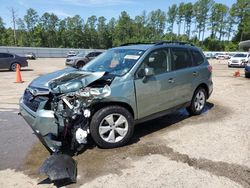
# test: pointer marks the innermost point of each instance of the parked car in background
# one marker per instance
(209, 55)
(247, 69)
(10, 61)
(81, 59)
(222, 56)
(239, 60)
(30, 55)
(71, 54)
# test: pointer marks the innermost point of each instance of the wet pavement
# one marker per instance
(16, 139)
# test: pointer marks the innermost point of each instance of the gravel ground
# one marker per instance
(210, 150)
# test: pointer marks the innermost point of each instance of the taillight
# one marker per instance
(210, 68)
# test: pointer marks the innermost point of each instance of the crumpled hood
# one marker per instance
(42, 81)
(66, 80)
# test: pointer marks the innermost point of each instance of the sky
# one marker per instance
(87, 8)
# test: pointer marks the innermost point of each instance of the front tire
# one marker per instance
(112, 127)
(198, 101)
(13, 66)
(80, 64)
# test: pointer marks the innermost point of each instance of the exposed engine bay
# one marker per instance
(63, 117)
(71, 104)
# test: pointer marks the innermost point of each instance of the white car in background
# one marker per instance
(72, 54)
(222, 56)
(239, 60)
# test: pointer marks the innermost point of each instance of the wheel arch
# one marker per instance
(97, 106)
(205, 86)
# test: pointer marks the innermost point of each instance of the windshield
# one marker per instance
(114, 61)
(240, 55)
(82, 54)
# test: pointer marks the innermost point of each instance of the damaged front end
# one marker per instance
(60, 115)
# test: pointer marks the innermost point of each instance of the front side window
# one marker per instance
(114, 61)
(181, 58)
(158, 60)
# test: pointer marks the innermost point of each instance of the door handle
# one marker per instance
(170, 80)
(195, 73)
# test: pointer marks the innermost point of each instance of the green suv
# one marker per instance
(123, 86)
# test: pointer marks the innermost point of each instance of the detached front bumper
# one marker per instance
(43, 123)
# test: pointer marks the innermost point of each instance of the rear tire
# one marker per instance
(112, 127)
(198, 101)
(247, 75)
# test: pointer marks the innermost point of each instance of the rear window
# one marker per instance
(181, 58)
(197, 58)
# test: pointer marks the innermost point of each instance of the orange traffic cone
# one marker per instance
(18, 74)
(237, 73)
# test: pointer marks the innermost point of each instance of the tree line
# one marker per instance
(225, 26)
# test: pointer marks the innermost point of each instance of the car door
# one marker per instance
(157, 92)
(185, 74)
(5, 60)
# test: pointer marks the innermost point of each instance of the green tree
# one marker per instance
(201, 13)
(124, 29)
(103, 33)
(21, 33)
(242, 13)
(180, 16)
(111, 30)
(2, 31)
(90, 32)
(157, 22)
(218, 20)
(49, 23)
(230, 23)
(31, 19)
(75, 34)
(171, 17)
(188, 15)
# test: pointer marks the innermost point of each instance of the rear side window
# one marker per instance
(5, 55)
(181, 58)
(197, 58)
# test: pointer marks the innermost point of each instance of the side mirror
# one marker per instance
(147, 73)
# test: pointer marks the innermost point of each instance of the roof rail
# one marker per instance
(173, 42)
(135, 43)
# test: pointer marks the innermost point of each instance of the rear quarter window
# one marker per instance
(197, 57)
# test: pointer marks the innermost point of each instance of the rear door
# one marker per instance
(158, 92)
(185, 74)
